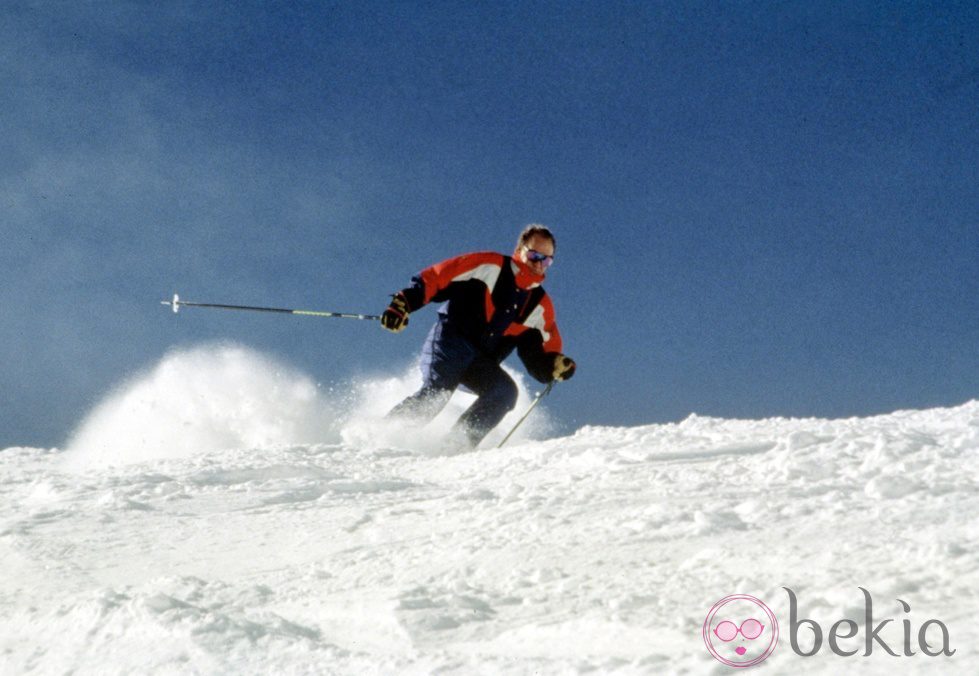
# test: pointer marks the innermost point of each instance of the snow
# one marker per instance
(221, 513)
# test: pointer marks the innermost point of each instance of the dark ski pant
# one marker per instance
(448, 361)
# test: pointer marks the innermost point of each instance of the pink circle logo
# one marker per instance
(740, 631)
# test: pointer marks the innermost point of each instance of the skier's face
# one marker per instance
(540, 244)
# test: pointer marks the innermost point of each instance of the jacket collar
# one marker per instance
(523, 275)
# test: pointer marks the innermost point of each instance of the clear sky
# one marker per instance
(762, 208)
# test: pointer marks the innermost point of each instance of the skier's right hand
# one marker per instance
(395, 318)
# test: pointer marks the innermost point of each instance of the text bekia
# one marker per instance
(848, 629)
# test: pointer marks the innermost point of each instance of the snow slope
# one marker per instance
(185, 530)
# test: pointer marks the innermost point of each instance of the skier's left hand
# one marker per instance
(563, 367)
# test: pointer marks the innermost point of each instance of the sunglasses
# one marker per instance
(750, 629)
(538, 257)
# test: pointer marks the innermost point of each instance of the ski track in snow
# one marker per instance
(600, 552)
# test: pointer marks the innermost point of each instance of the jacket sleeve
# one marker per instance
(433, 282)
(541, 342)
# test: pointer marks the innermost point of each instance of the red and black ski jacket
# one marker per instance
(497, 303)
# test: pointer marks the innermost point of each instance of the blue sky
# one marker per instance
(762, 208)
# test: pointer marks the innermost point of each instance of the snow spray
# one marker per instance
(210, 397)
(221, 396)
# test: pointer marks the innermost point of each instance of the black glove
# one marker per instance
(563, 367)
(395, 318)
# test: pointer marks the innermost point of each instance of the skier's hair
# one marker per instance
(535, 229)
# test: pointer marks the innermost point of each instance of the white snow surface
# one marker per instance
(221, 513)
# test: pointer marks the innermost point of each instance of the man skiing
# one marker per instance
(493, 304)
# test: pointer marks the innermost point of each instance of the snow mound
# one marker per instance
(599, 552)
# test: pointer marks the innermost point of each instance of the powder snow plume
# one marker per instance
(226, 395)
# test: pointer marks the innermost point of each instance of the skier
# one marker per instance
(493, 304)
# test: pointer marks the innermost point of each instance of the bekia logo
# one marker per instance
(741, 631)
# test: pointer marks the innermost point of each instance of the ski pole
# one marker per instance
(529, 409)
(176, 304)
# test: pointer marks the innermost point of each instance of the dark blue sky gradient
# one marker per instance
(762, 208)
